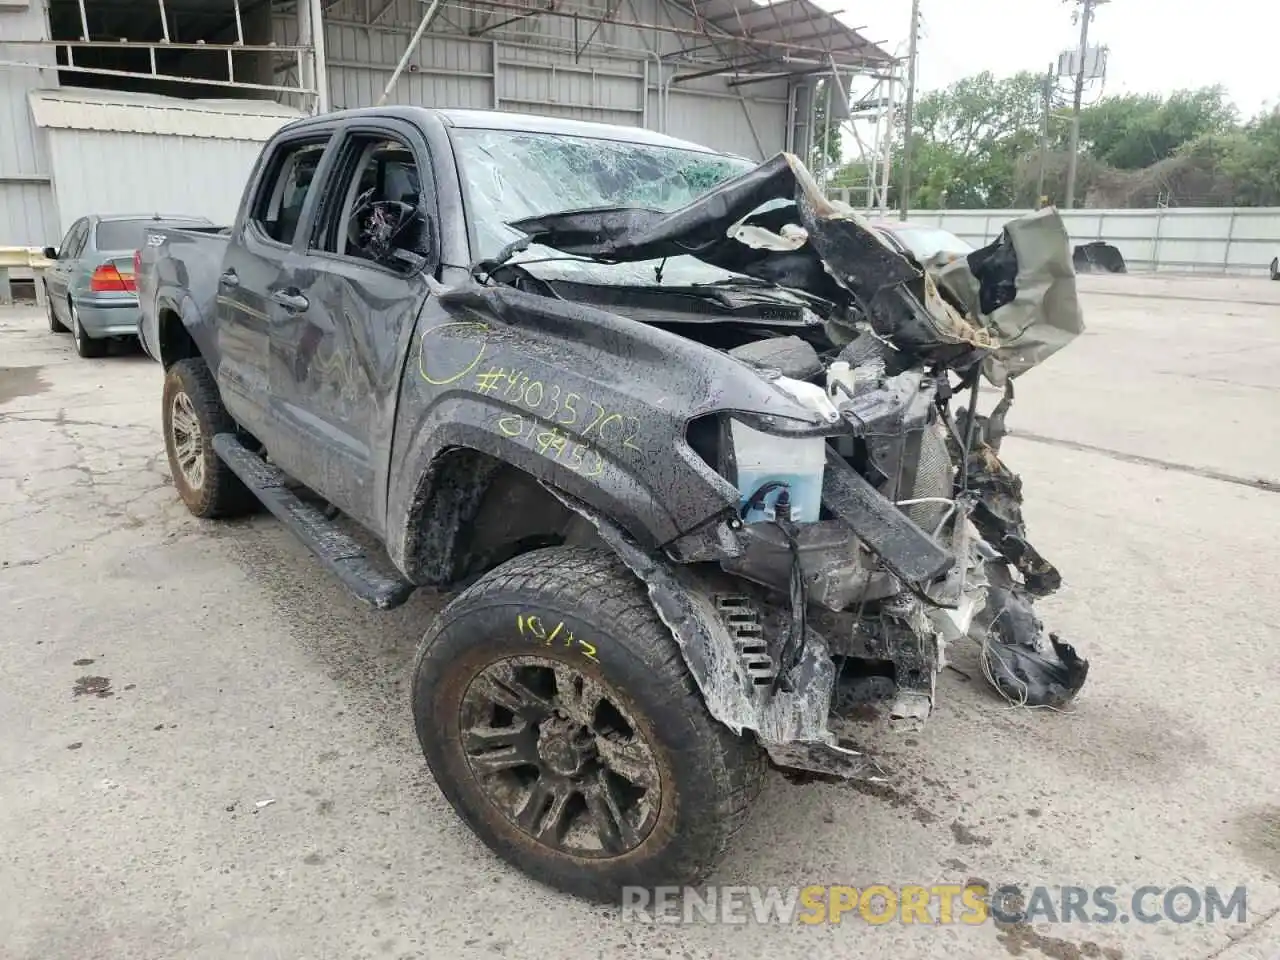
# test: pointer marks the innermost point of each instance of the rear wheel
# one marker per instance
(192, 414)
(86, 346)
(559, 720)
(55, 325)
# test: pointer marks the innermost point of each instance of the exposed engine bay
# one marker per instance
(884, 527)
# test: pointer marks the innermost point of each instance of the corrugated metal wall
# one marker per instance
(1239, 240)
(708, 108)
(545, 65)
(27, 210)
(146, 173)
(548, 65)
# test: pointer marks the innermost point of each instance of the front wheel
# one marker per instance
(558, 718)
(191, 415)
(1275, 268)
(55, 325)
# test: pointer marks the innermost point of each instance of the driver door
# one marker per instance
(336, 362)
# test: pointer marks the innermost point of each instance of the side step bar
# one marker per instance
(341, 554)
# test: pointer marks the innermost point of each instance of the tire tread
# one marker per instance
(224, 494)
(605, 590)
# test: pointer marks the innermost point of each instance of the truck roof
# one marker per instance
(152, 215)
(497, 120)
(521, 122)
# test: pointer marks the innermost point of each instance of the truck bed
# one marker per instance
(178, 269)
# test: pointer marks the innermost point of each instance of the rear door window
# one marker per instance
(282, 194)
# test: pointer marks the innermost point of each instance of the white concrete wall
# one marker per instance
(1239, 240)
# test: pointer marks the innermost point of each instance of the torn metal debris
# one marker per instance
(921, 540)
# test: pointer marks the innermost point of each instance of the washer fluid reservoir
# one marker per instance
(768, 465)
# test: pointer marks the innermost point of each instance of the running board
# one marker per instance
(340, 553)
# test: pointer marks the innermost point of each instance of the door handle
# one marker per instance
(229, 279)
(291, 301)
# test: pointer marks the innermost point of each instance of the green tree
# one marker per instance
(1133, 131)
(1259, 177)
(968, 139)
(976, 144)
(1249, 155)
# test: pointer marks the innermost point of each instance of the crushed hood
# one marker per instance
(1013, 302)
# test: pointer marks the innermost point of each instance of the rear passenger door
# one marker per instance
(336, 364)
(254, 286)
(58, 277)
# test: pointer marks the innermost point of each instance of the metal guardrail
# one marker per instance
(22, 264)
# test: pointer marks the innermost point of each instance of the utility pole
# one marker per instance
(1047, 105)
(904, 199)
(1086, 14)
(887, 146)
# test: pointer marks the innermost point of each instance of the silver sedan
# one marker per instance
(90, 287)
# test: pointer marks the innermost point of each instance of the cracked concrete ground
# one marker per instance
(163, 676)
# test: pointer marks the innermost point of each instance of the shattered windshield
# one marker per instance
(511, 175)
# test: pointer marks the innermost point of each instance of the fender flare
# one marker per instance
(463, 422)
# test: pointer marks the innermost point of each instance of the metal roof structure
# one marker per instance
(778, 38)
(775, 35)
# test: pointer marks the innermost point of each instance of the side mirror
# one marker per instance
(419, 252)
(50, 253)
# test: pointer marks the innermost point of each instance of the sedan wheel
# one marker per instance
(86, 346)
(55, 325)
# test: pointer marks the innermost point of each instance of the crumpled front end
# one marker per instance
(886, 528)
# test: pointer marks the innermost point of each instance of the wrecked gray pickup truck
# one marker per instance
(686, 433)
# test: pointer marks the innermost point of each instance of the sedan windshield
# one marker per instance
(510, 175)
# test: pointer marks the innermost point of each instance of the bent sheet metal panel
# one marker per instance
(584, 398)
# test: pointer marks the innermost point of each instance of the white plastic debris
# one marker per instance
(263, 803)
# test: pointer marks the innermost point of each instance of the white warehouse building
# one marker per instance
(113, 106)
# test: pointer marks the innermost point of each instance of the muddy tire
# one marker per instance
(86, 346)
(192, 413)
(55, 325)
(559, 720)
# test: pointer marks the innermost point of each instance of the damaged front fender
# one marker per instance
(720, 633)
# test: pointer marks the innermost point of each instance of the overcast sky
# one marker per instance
(1155, 45)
